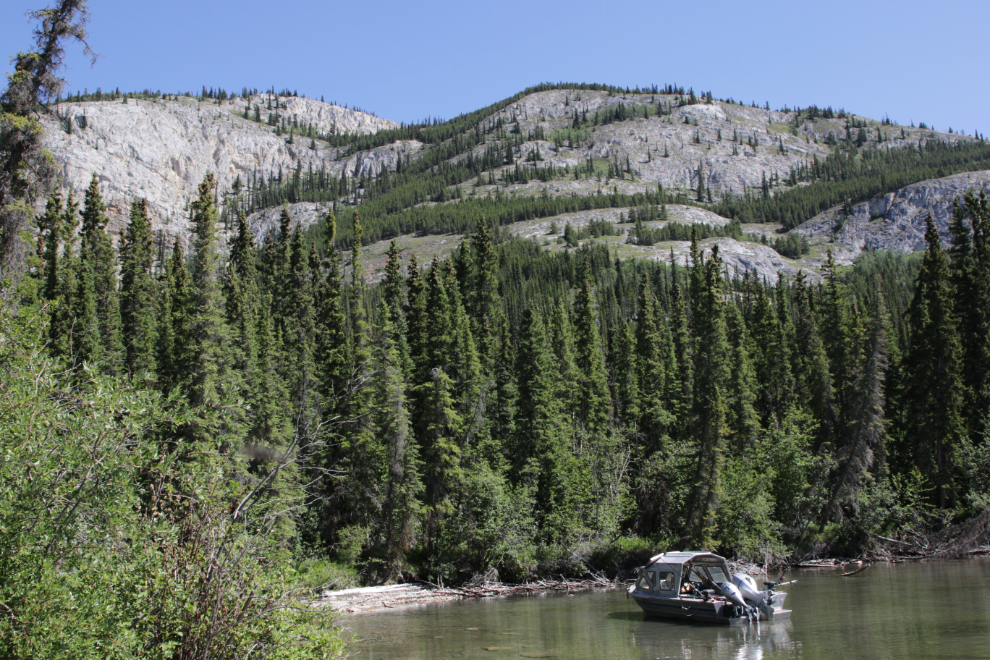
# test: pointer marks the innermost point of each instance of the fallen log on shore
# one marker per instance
(367, 599)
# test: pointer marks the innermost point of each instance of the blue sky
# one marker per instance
(914, 61)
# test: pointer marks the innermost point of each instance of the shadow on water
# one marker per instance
(627, 616)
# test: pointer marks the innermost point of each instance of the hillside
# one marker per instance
(610, 149)
(160, 150)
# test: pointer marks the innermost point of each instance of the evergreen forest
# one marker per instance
(194, 440)
(530, 411)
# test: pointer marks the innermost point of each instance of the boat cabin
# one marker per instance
(682, 573)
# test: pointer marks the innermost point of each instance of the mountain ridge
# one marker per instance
(550, 143)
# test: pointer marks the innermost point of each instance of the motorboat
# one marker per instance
(699, 586)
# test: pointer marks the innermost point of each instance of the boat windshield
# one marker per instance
(718, 576)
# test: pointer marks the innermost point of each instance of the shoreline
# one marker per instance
(373, 599)
(366, 600)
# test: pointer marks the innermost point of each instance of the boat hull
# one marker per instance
(694, 609)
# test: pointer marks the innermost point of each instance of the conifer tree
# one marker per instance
(813, 380)
(836, 336)
(656, 420)
(562, 340)
(299, 331)
(241, 292)
(542, 449)
(742, 420)
(332, 350)
(210, 377)
(711, 374)
(627, 393)
(394, 295)
(501, 407)
(138, 291)
(86, 346)
(933, 388)
(403, 486)
(441, 451)
(364, 453)
(271, 418)
(771, 361)
(172, 356)
(970, 278)
(485, 300)
(98, 260)
(51, 224)
(867, 425)
(594, 400)
(683, 405)
(416, 318)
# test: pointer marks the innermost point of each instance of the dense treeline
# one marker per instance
(642, 234)
(499, 209)
(511, 407)
(847, 177)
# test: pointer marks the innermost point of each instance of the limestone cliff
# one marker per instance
(895, 221)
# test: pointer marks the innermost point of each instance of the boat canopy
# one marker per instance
(668, 573)
(688, 557)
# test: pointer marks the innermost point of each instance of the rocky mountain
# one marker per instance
(586, 143)
(160, 150)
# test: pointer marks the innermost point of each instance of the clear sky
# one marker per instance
(911, 60)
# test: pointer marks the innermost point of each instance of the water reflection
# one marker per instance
(686, 640)
(921, 611)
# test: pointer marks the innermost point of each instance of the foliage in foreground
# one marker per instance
(122, 538)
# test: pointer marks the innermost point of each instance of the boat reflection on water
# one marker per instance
(661, 639)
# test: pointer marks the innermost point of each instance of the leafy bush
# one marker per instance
(120, 538)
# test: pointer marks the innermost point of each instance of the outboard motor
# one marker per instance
(747, 586)
(761, 600)
(732, 593)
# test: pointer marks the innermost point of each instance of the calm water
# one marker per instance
(939, 610)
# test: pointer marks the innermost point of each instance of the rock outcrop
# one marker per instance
(161, 150)
(895, 221)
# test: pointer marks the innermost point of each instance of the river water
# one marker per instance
(917, 611)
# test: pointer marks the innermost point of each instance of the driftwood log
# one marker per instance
(971, 537)
(420, 593)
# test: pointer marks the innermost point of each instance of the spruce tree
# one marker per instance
(241, 293)
(655, 420)
(813, 379)
(394, 295)
(332, 349)
(403, 487)
(541, 452)
(98, 260)
(594, 400)
(712, 373)
(299, 331)
(51, 225)
(836, 334)
(771, 361)
(970, 279)
(866, 430)
(210, 377)
(485, 300)
(683, 403)
(138, 291)
(934, 388)
(172, 353)
(84, 325)
(562, 340)
(364, 452)
(742, 419)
